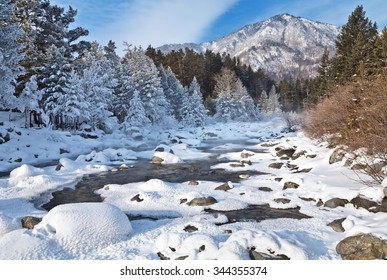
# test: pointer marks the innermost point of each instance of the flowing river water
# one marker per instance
(144, 170)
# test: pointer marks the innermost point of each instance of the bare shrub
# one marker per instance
(354, 115)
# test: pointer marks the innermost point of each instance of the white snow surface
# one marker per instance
(103, 231)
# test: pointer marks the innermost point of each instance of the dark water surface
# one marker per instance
(144, 170)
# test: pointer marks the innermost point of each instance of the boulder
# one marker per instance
(193, 183)
(265, 189)
(246, 154)
(157, 160)
(224, 187)
(335, 202)
(288, 152)
(337, 225)
(190, 228)
(30, 222)
(202, 201)
(362, 247)
(298, 154)
(260, 256)
(360, 202)
(282, 200)
(136, 198)
(276, 165)
(290, 185)
(337, 155)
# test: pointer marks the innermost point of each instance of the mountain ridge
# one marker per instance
(283, 45)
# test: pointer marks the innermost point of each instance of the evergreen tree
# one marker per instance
(354, 46)
(273, 104)
(192, 112)
(173, 90)
(135, 117)
(29, 99)
(263, 102)
(145, 79)
(10, 56)
(73, 105)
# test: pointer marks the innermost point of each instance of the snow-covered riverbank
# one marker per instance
(297, 175)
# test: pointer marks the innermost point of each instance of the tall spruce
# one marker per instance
(354, 47)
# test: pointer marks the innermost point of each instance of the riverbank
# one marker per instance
(187, 220)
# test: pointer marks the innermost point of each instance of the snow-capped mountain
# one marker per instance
(283, 45)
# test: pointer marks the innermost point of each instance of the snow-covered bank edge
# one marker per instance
(194, 234)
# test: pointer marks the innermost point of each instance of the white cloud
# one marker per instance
(160, 22)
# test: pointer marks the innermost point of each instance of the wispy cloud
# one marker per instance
(152, 22)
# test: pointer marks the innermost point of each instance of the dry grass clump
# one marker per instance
(354, 115)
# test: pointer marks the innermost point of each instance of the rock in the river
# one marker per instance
(190, 228)
(157, 160)
(337, 155)
(276, 165)
(193, 183)
(360, 202)
(337, 225)
(259, 256)
(30, 222)
(163, 257)
(298, 154)
(282, 200)
(246, 154)
(362, 247)
(290, 185)
(288, 152)
(335, 202)
(224, 187)
(202, 201)
(136, 198)
(265, 189)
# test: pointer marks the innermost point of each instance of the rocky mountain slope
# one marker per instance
(283, 45)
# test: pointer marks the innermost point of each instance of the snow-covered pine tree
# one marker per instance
(233, 102)
(245, 109)
(135, 117)
(173, 90)
(145, 79)
(73, 103)
(28, 100)
(98, 85)
(54, 79)
(193, 112)
(273, 104)
(10, 55)
(263, 101)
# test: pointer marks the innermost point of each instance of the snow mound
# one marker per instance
(7, 224)
(167, 158)
(22, 173)
(84, 227)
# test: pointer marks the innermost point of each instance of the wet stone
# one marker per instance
(337, 225)
(190, 228)
(282, 200)
(276, 165)
(136, 198)
(265, 189)
(202, 201)
(30, 222)
(290, 185)
(335, 202)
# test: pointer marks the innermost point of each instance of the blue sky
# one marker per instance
(158, 22)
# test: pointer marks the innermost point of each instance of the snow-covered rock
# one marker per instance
(165, 158)
(84, 227)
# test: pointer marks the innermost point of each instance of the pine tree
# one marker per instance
(192, 112)
(29, 99)
(263, 102)
(273, 104)
(354, 46)
(145, 79)
(173, 90)
(10, 55)
(135, 117)
(73, 105)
